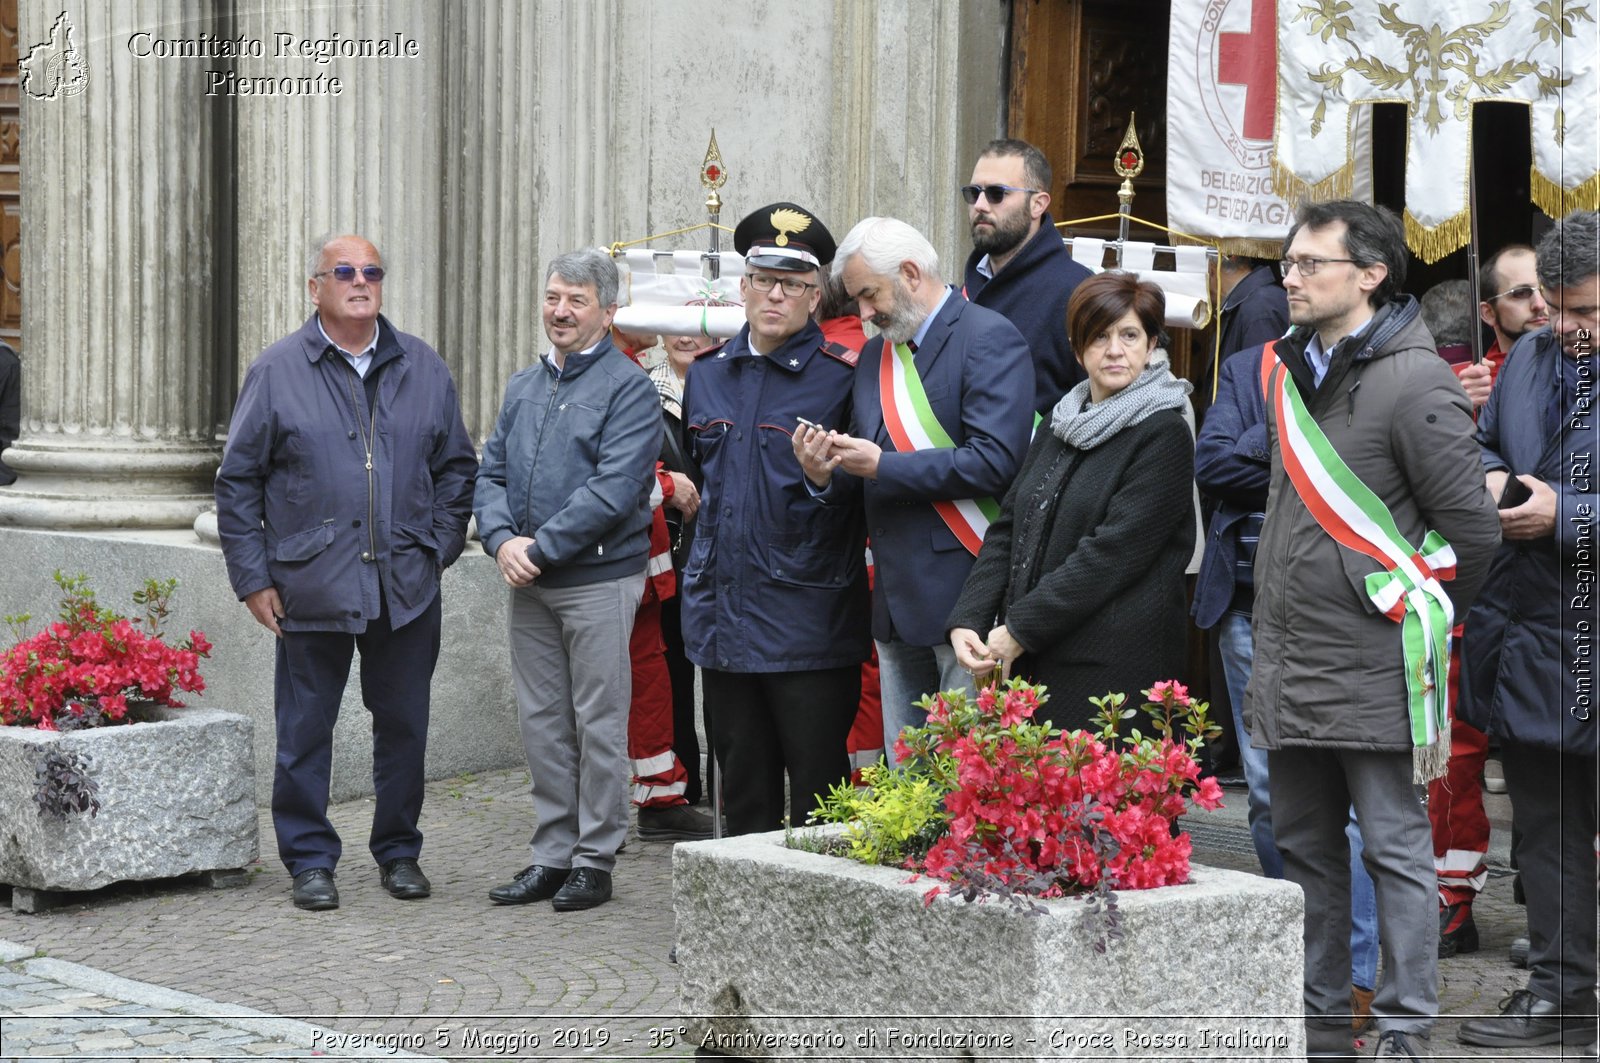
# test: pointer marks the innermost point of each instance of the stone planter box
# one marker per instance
(177, 795)
(784, 953)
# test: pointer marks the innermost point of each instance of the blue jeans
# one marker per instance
(905, 674)
(1238, 651)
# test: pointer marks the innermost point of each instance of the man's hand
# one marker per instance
(685, 498)
(971, 653)
(1535, 518)
(1496, 479)
(512, 559)
(1477, 380)
(859, 457)
(813, 449)
(267, 608)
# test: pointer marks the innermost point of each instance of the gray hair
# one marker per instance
(1447, 311)
(1569, 254)
(320, 245)
(884, 243)
(587, 266)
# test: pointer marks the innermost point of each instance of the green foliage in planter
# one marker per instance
(894, 818)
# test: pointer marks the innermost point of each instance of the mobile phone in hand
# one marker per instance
(1514, 493)
(811, 424)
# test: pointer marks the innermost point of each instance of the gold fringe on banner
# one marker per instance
(1295, 190)
(1433, 244)
(1252, 248)
(1558, 202)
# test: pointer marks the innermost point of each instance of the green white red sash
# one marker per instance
(912, 426)
(1408, 591)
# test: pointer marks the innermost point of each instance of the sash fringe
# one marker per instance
(1430, 761)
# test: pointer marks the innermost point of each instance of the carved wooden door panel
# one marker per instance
(10, 181)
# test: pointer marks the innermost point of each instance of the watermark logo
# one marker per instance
(55, 67)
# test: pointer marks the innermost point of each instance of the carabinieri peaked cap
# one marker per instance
(784, 236)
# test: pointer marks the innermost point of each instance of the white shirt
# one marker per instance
(359, 362)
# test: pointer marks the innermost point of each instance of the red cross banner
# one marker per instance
(1439, 57)
(1221, 90)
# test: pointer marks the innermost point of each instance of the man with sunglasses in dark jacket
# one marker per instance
(343, 494)
(1019, 267)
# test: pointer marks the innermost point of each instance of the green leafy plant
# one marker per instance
(895, 816)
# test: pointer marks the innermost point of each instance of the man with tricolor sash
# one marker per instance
(1378, 532)
(943, 407)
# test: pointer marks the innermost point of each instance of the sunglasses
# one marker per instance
(346, 274)
(993, 193)
(1521, 293)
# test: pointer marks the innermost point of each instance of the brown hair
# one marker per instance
(1099, 302)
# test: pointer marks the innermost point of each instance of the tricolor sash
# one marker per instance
(912, 426)
(1408, 591)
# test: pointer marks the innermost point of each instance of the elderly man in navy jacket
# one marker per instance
(1529, 650)
(343, 494)
(943, 408)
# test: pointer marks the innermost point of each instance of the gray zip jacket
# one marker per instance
(571, 463)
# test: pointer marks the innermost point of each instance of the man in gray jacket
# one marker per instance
(343, 494)
(1355, 595)
(563, 506)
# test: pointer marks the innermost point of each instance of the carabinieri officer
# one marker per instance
(775, 591)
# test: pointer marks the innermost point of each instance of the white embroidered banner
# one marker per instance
(1221, 77)
(1438, 57)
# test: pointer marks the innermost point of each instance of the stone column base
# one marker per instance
(97, 482)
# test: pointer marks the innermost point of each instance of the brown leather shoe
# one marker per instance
(1361, 1007)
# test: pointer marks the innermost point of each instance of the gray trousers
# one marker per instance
(1554, 805)
(570, 668)
(1312, 791)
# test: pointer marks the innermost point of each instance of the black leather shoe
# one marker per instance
(588, 887)
(675, 823)
(1525, 1019)
(1458, 934)
(533, 883)
(314, 890)
(405, 880)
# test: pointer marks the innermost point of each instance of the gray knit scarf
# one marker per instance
(1084, 426)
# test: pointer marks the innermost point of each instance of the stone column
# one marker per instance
(120, 258)
(366, 160)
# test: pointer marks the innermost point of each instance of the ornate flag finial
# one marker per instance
(1129, 162)
(712, 174)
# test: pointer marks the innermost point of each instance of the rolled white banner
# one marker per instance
(719, 322)
(1186, 311)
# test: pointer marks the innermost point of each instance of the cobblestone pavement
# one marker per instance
(175, 969)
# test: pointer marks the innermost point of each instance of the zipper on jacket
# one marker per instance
(368, 431)
(538, 446)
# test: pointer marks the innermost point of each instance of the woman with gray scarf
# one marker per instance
(1079, 585)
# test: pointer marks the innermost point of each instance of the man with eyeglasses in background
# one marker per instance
(1019, 266)
(344, 492)
(775, 588)
(1378, 523)
(941, 420)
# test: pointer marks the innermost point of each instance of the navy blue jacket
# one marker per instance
(1032, 292)
(571, 463)
(975, 371)
(1232, 466)
(10, 405)
(1257, 310)
(774, 581)
(1529, 656)
(297, 508)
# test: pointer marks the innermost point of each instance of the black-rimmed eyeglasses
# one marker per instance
(763, 282)
(346, 274)
(993, 193)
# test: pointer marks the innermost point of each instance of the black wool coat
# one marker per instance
(1092, 586)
